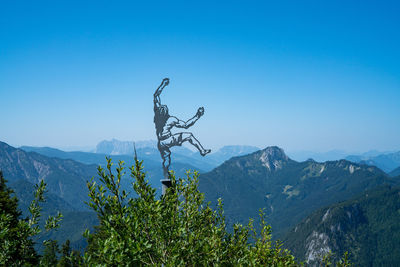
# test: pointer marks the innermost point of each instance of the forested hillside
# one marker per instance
(368, 227)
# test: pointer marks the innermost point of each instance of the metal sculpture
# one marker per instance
(164, 123)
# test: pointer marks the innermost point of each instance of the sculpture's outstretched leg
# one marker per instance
(188, 137)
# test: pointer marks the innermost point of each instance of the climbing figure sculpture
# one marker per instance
(164, 123)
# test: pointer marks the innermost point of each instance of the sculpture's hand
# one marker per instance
(200, 112)
(159, 90)
(165, 81)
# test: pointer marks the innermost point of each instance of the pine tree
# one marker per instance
(16, 246)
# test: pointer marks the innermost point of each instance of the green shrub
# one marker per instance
(174, 230)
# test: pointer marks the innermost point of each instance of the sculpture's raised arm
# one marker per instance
(159, 90)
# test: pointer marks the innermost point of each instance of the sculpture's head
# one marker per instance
(161, 115)
(164, 111)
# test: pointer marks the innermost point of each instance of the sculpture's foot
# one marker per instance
(205, 152)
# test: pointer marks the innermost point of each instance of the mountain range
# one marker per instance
(117, 147)
(288, 190)
(302, 155)
(147, 151)
(66, 174)
(152, 162)
(386, 161)
(65, 178)
(268, 179)
(151, 156)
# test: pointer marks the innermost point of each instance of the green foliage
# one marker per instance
(16, 245)
(73, 225)
(178, 229)
(327, 260)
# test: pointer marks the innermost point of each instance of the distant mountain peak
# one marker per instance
(117, 147)
(274, 150)
(273, 157)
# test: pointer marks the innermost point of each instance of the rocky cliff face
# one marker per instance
(273, 158)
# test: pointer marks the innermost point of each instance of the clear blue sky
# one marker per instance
(312, 75)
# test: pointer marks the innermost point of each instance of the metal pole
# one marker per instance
(166, 183)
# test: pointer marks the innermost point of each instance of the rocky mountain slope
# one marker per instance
(368, 227)
(65, 178)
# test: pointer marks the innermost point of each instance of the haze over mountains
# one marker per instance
(247, 180)
(116, 147)
(147, 149)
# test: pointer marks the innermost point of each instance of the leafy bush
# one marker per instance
(177, 229)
